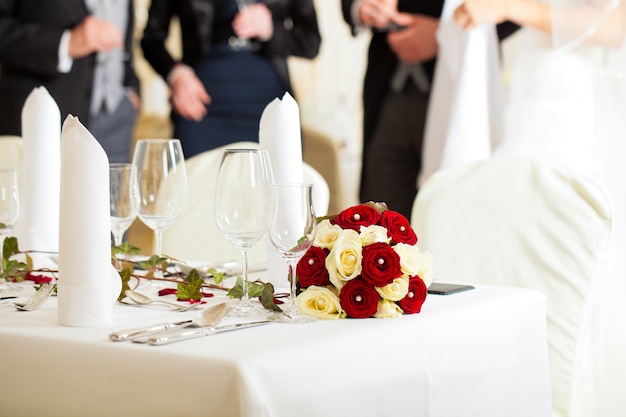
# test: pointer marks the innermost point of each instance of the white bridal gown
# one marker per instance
(566, 104)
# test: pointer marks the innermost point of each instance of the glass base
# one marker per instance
(292, 318)
(247, 309)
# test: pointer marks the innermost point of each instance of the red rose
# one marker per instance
(311, 269)
(398, 228)
(357, 216)
(381, 264)
(359, 299)
(416, 296)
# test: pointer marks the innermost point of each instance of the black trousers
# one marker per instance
(392, 158)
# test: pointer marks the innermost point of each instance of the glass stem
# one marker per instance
(159, 250)
(245, 298)
(293, 309)
(117, 241)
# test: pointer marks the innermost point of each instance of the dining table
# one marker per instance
(480, 353)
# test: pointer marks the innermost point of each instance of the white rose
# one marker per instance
(320, 302)
(344, 260)
(326, 234)
(395, 291)
(373, 234)
(426, 269)
(387, 310)
(410, 258)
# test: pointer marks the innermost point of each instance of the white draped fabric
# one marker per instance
(566, 105)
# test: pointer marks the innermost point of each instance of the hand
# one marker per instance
(476, 12)
(417, 43)
(93, 35)
(378, 13)
(134, 99)
(189, 97)
(255, 21)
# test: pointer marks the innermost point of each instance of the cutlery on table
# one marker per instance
(200, 332)
(210, 315)
(35, 300)
(141, 299)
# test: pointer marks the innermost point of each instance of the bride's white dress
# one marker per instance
(566, 105)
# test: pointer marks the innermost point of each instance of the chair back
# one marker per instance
(514, 221)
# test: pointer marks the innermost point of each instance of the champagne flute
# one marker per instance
(123, 202)
(9, 212)
(292, 231)
(161, 178)
(242, 207)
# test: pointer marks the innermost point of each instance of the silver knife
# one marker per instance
(145, 331)
(200, 332)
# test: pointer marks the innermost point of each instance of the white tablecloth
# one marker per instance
(479, 353)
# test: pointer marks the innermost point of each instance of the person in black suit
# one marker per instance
(233, 63)
(396, 91)
(55, 44)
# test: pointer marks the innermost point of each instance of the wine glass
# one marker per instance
(123, 202)
(161, 178)
(292, 231)
(239, 43)
(9, 212)
(242, 207)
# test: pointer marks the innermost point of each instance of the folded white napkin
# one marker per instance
(38, 226)
(87, 285)
(280, 135)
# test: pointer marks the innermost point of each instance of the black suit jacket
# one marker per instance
(300, 38)
(30, 32)
(382, 62)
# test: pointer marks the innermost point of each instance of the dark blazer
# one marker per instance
(296, 33)
(30, 32)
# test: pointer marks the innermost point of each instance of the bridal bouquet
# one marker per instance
(363, 263)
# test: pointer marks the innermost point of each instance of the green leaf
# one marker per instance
(125, 276)
(154, 262)
(237, 290)
(218, 277)
(124, 249)
(9, 248)
(267, 297)
(190, 288)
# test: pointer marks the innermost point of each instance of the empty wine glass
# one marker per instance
(161, 179)
(9, 211)
(242, 207)
(239, 43)
(123, 202)
(292, 231)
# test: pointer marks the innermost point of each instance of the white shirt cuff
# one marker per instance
(65, 61)
(359, 26)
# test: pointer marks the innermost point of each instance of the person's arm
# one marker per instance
(154, 37)
(131, 81)
(301, 37)
(522, 12)
(30, 47)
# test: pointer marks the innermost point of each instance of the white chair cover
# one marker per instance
(512, 220)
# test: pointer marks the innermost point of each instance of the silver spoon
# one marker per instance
(212, 314)
(142, 299)
(209, 317)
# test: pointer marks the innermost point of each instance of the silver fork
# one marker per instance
(35, 300)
